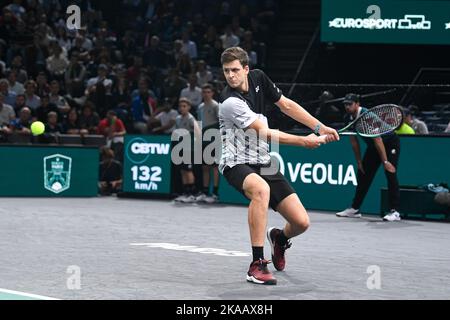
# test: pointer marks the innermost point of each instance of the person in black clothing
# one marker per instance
(245, 160)
(381, 150)
(110, 173)
(46, 106)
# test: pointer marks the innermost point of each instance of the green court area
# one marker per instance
(16, 295)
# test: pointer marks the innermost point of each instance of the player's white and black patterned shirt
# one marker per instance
(237, 111)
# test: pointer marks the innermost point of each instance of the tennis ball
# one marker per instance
(37, 128)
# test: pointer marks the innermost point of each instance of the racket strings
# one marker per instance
(379, 120)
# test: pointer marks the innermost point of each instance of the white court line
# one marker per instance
(177, 247)
(28, 295)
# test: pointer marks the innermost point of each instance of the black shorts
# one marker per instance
(279, 187)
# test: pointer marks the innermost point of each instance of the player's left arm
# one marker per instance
(298, 113)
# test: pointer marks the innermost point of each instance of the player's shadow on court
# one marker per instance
(288, 287)
(379, 223)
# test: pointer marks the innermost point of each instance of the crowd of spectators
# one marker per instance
(127, 66)
(131, 57)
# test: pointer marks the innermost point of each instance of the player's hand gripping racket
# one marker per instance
(377, 121)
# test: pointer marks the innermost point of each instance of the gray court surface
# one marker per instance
(110, 248)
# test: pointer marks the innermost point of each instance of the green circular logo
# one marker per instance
(137, 150)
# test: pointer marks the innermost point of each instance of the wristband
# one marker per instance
(316, 130)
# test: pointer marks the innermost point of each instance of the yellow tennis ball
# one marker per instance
(37, 128)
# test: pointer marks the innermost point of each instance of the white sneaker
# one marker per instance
(201, 197)
(188, 199)
(349, 213)
(211, 199)
(180, 198)
(392, 216)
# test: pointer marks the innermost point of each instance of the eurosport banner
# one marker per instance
(386, 21)
(147, 165)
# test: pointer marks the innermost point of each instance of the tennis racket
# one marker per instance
(377, 121)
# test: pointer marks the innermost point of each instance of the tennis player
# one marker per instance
(245, 157)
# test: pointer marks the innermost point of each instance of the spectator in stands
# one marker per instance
(154, 55)
(22, 124)
(42, 86)
(193, 93)
(9, 96)
(135, 71)
(211, 36)
(327, 113)
(17, 66)
(213, 54)
(127, 47)
(45, 108)
(185, 65)
(229, 39)
(57, 99)
(383, 150)
(208, 114)
(199, 28)
(52, 126)
(418, 126)
(404, 127)
(174, 30)
(32, 101)
(252, 55)
(176, 53)
(15, 86)
(189, 46)
(251, 45)
(57, 63)
(7, 113)
(173, 85)
(204, 76)
(110, 173)
(71, 124)
(62, 39)
(144, 86)
(142, 108)
(99, 88)
(112, 128)
(20, 103)
(164, 120)
(189, 129)
(75, 75)
(89, 119)
(236, 27)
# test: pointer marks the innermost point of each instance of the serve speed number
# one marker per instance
(146, 174)
(147, 164)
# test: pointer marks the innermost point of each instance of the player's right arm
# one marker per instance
(238, 112)
(357, 151)
(311, 141)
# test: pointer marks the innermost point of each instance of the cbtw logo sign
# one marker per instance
(317, 173)
(138, 150)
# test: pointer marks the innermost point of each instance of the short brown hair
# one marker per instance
(185, 100)
(207, 86)
(235, 53)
